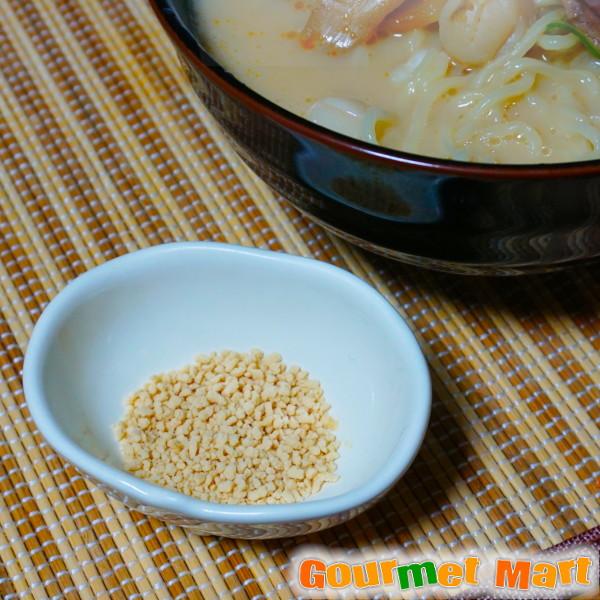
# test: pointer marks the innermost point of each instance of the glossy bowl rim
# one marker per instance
(154, 496)
(188, 45)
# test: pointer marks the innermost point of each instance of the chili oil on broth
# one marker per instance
(537, 100)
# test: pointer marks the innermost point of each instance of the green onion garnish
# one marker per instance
(584, 40)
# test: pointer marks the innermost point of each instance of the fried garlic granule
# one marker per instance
(232, 428)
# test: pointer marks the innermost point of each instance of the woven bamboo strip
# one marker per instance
(563, 327)
(23, 498)
(68, 124)
(105, 185)
(112, 118)
(51, 484)
(12, 580)
(72, 506)
(79, 554)
(65, 527)
(576, 296)
(262, 562)
(552, 333)
(130, 220)
(203, 550)
(29, 237)
(13, 552)
(16, 556)
(544, 334)
(542, 373)
(141, 536)
(476, 521)
(44, 187)
(187, 545)
(568, 407)
(49, 160)
(114, 521)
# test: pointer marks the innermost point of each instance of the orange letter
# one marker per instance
(367, 575)
(339, 575)
(544, 575)
(583, 578)
(450, 574)
(564, 570)
(387, 571)
(309, 577)
(507, 575)
(471, 566)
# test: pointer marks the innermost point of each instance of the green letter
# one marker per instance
(417, 573)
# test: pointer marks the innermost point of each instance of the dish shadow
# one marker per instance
(572, 292)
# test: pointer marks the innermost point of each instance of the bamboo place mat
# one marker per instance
(104, 149)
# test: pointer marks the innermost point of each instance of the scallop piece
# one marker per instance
(343, 24)
(473, 31)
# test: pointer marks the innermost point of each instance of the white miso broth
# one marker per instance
(525, 92)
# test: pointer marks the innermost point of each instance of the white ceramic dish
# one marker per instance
(156, 309)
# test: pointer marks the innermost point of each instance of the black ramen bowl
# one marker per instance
(448, 215)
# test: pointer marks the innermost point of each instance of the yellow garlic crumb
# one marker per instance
(232, 428)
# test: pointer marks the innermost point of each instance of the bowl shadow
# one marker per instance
(572, 292)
